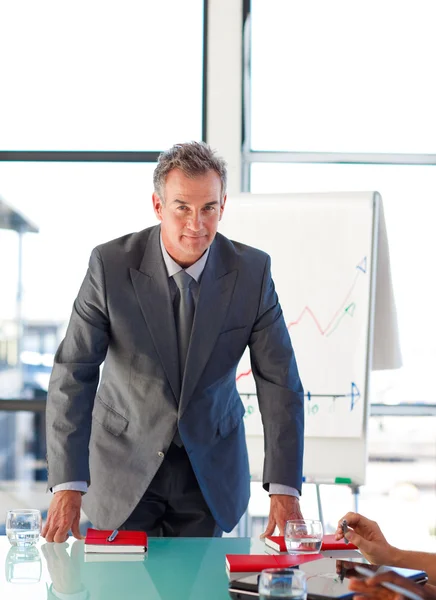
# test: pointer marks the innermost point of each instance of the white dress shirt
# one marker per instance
(195, 271)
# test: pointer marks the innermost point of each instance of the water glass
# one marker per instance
(23, 526)
(303, 536)
(282, 583)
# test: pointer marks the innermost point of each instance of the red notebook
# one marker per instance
(125, 541)
(249, 563)
(277, 542)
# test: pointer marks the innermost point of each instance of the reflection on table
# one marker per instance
(173, 568)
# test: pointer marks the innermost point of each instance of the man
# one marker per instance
(170, 310)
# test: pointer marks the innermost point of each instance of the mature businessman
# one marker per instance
(159, 445)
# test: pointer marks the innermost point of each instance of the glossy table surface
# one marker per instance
(174, 568)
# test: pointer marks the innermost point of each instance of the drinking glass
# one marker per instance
(303, 536)
(282, 583)
(23, 526)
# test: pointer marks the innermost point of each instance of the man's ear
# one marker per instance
(223, 203)
(157, 205)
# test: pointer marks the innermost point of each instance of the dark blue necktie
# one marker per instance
(184, 316)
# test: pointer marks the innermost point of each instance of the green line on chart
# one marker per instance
(348, 311)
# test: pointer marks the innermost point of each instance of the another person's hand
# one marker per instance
(283, 508)
(367, 536)
(371, 588)
(63, 516)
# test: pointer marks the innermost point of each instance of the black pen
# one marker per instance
(113, 535)
(344, 530)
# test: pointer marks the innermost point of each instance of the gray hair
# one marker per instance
(193, 159)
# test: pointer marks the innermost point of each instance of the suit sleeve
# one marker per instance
(279, 390)
(74, 380)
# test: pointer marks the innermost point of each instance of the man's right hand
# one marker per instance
(367, 536)
(63, 516)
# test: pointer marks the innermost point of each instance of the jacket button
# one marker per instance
(160, 454)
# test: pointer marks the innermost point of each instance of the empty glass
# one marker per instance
(23, 526)
(303, 536)
(282, 583)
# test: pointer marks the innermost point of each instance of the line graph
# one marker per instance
(354, 396)
(312, 405)
(336, 319)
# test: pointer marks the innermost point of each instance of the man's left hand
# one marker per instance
(283, 508)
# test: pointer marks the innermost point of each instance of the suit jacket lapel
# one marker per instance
(153, 293)
(216, 290)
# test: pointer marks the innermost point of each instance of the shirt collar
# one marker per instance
(172, 267)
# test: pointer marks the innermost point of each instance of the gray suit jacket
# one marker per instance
(115, 437)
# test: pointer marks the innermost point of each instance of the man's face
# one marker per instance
(189, 214)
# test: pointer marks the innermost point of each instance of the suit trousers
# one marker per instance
(173, 505)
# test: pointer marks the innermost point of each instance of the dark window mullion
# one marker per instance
(78, 156)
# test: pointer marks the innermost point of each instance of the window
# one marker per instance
(74, 207)
(108, 82)
(100, 75)
(343, 77)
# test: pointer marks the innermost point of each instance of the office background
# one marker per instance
(299, 96)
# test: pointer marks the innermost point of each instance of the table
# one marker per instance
(173, 569)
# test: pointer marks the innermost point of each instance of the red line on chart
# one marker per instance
(361, 268)
(307, 309)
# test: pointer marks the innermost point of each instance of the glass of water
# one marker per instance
(282, 583)
(23, 526)
(303, 536)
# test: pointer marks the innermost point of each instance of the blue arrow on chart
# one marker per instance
(355, 394)
(362, 266)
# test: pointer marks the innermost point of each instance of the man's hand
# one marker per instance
(367, 536)
(283, 508)
(63, 515)
(372, 589)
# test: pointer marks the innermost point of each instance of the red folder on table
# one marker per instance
(277, 542)
(330, 543)
(249, 563)
(124, 541)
